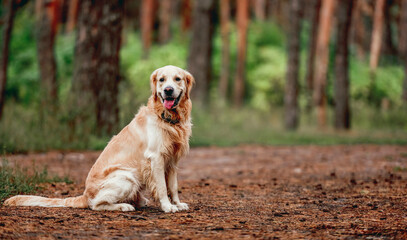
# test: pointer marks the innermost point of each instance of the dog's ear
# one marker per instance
(190, 82)
(153, 83)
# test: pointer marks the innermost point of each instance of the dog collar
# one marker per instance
(168, 120)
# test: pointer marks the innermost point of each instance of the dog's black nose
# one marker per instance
(168, 91)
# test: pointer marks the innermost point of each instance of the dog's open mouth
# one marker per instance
(170, 102)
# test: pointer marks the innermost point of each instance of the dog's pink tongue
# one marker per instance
(169, 103)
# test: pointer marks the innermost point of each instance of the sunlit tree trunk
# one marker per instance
(291, 109)
(200, 49)
(377, 34)
(321, 61)
(186, 10)
(260, 9)
(359, 29)
(147, 21)
(165, 20)
(47, 23)
(96, 69)
(10, 8)
(309, 78)
(342, 110)
(242, 18)
(225, 31)
(72, 15)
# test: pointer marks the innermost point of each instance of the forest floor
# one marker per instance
(238, 192)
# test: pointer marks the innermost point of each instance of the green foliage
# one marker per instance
(64, 55)
(265, 67)
(17, 180)
(23, 73)
(386, 83)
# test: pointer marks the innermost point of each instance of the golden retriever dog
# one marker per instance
(144, 155)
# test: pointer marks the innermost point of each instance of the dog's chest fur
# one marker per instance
(175, 141)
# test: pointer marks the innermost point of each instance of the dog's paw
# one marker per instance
(168, 207)
(182, 206)
(124, 207)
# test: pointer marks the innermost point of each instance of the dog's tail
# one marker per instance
(28, 200)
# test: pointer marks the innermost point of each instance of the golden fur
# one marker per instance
(144, 154)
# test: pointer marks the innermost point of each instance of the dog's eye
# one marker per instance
(161, 79)
(177, 79)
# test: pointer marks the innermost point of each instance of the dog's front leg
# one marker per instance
(173, 187)
(157, 167)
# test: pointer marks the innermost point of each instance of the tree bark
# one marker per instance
(242, 18)
(291, 86)
(7, 29)
(186, 10)
(377, 34)
(225, 31)
(321, 61)
(342, 110)
(72, 15)
(165, 21)
(200, 49)
(96, 70)
(359, 30)
(402, 40)
(147, 21)
(260, 9)
(388, 46)
(47, 24)
(309, 78)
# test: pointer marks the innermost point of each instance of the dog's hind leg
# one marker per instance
(120, 187)
(141, 201)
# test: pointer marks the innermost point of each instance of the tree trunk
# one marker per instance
(309, 78)
(242, 18)
(200, 49)
(186, 10)
(225, 30)
(165, 21)
(7, 28)
(291, 87)
(377, 34)
(47, 21)
(342, 111)
(321, 61)
(388, 46)
(147, 22)
(260, 9)
(96, 70)
(402, 43)
(72, 15)
(359, 30)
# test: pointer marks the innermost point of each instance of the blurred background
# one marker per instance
(73, 73)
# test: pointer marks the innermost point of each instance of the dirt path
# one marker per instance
(241, 192)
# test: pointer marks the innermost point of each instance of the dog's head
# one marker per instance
(171, 86)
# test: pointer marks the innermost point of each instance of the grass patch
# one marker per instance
(223, 126)
(17, 180)
(399, 169)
